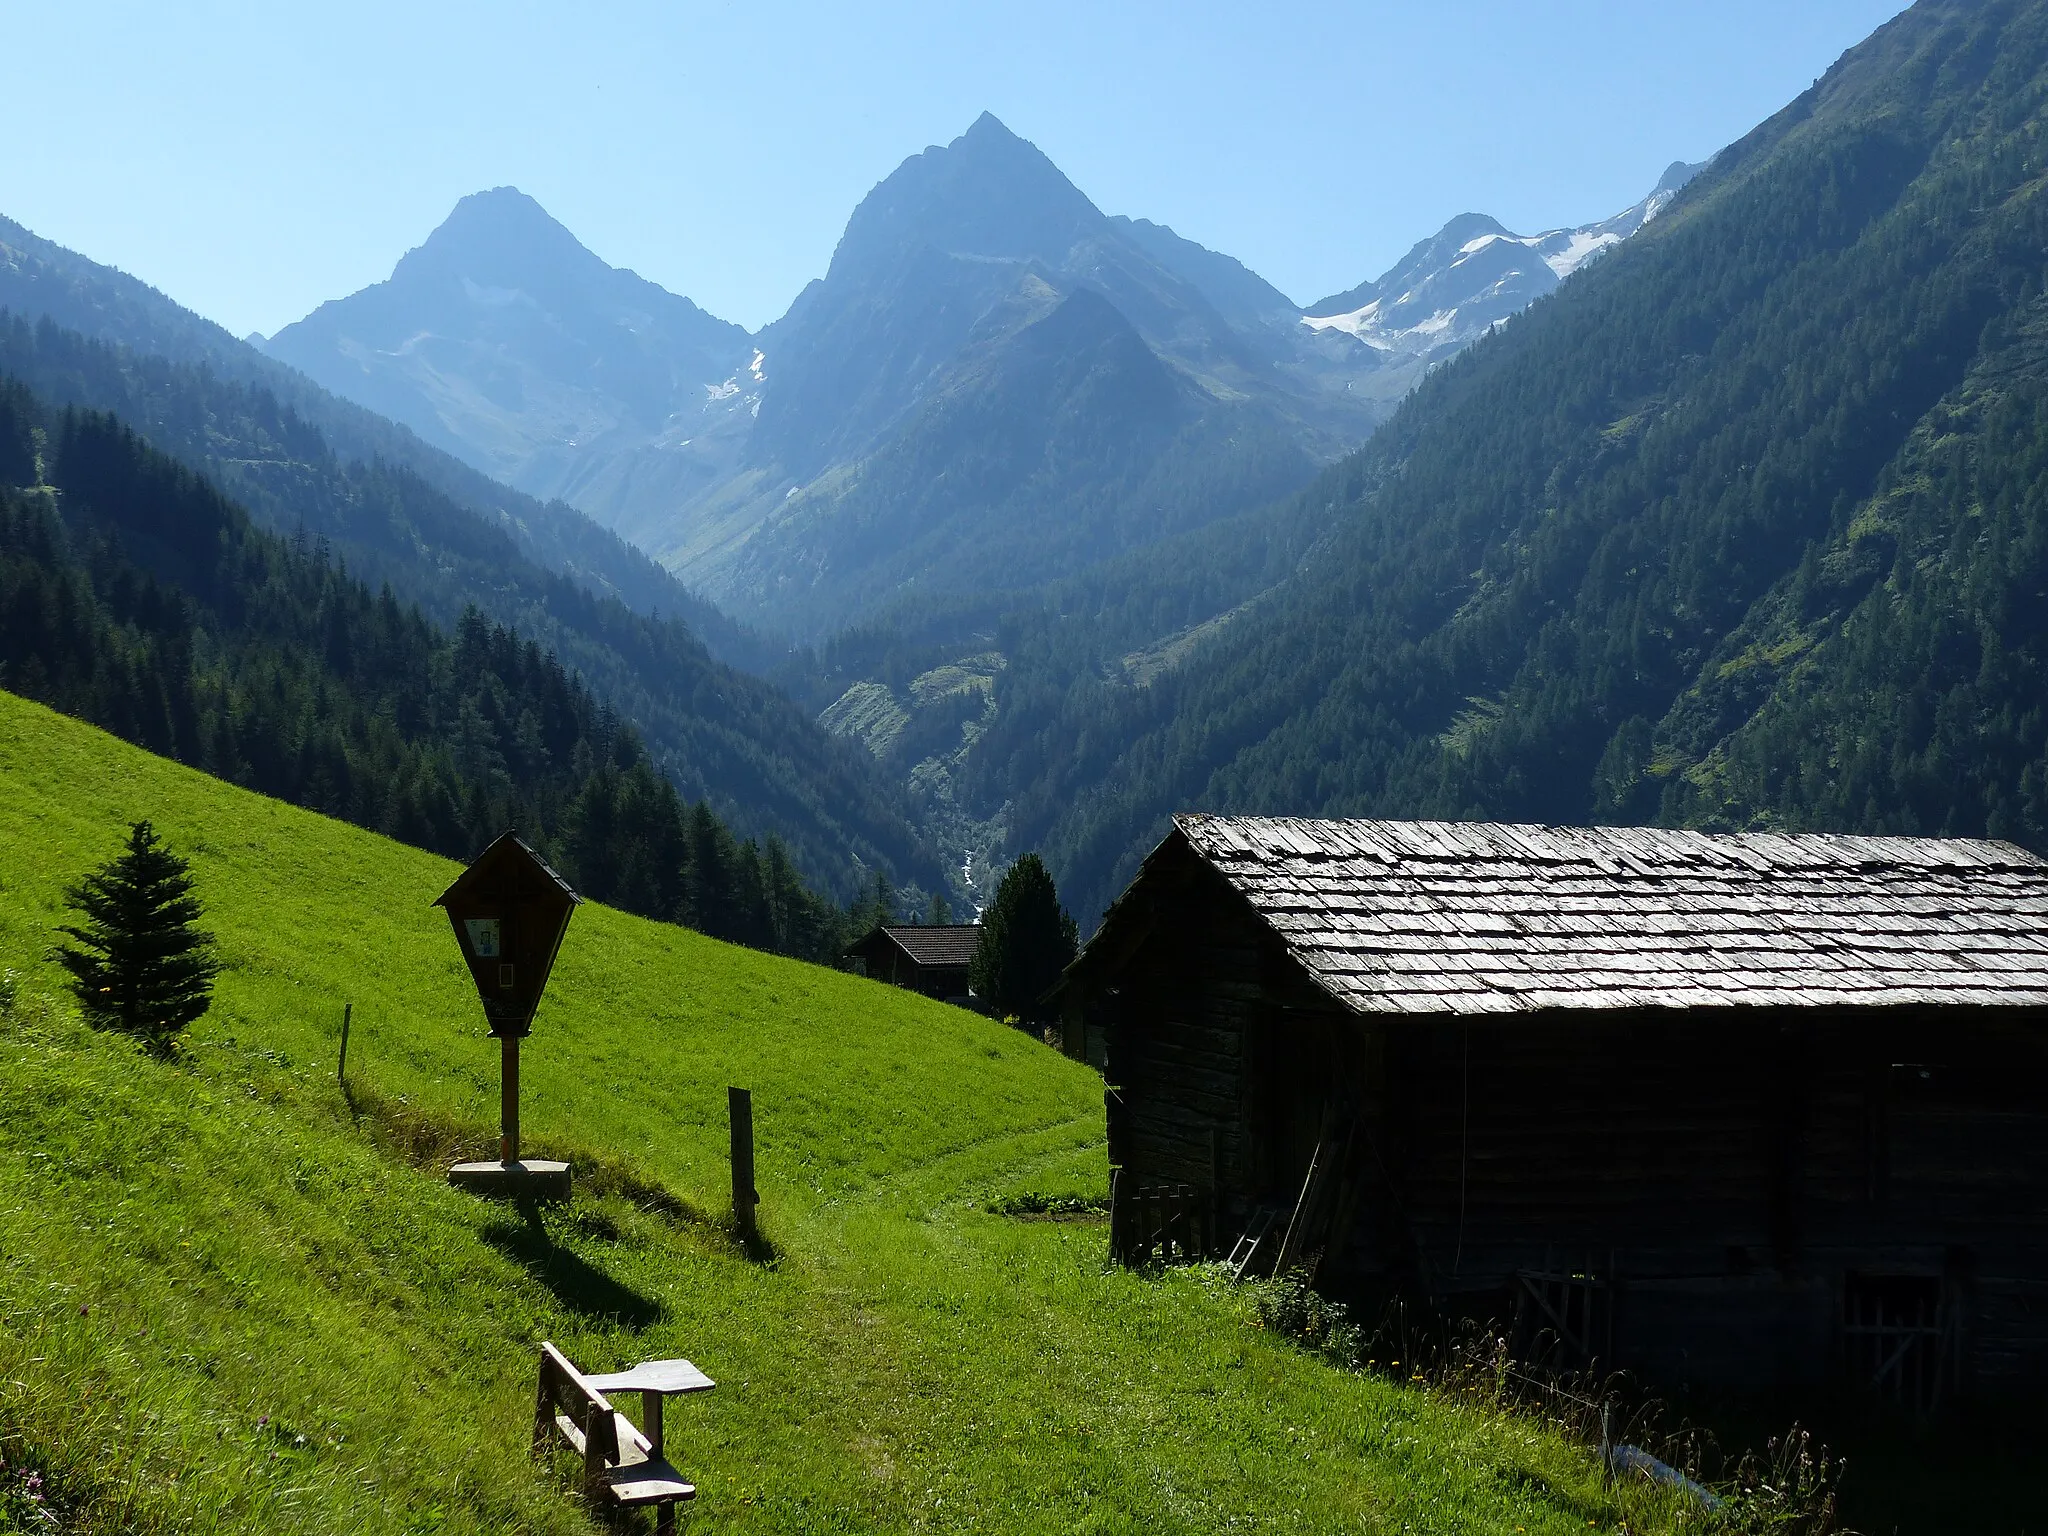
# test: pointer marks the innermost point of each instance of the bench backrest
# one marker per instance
(563, 1390)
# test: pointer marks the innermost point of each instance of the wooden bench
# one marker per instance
(622, 1466)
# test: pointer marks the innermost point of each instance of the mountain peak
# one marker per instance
(1470, 226)
(499, 235)
(989, 193)
(1676, 175)
(500, 201)
(985, 127)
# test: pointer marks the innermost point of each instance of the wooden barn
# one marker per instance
(932, 959)
(1746, 1110)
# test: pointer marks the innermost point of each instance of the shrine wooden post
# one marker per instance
(509, 911)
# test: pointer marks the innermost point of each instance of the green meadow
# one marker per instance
(234, 1297)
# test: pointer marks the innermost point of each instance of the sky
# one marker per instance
(254, 159)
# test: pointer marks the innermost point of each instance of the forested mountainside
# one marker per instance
(40, 278)
(1745, 526)
(717, 733)
(134, 595)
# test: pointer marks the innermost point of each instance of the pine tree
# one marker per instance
(1027, 939)
(885, 898)
(942, 911)
(139, 964)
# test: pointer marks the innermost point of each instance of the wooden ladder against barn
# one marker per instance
(1574, 1308)
(1325, 1199)
(1245, 1251)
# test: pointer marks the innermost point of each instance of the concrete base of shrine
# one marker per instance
(528, 1179)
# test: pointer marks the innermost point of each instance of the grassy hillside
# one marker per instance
(232, 1300)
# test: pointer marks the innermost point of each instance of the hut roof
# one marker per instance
(933, 944)
(1433, 917)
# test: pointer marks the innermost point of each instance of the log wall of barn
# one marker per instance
(1193, 1001)
(1732, 1168)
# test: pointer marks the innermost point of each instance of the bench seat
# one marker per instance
(619, 1464)
(646, 1482)
(637, 1478)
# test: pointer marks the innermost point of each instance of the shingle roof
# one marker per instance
(952, 944)
(1432, 917)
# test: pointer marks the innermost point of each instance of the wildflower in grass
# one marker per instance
(138, 963)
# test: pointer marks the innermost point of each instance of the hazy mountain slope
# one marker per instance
(505, 342)
(1240, 295)
(502, 337)
(897, 385)
(875, 483)
(716, 732)
(1043, 451)
(983, 210)
(770, 472)
(1770, 410)
(929, 261)
(38, 277)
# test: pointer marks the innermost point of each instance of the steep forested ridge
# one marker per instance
(1743, 527)
(134, 595)
(716, 732)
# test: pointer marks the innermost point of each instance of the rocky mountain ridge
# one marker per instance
(902, 431)
(1473, 275)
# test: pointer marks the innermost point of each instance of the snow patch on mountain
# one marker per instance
(1580, 246)
(1474, 276)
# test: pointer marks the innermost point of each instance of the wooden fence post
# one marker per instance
(341, 1072)
(740, 1109)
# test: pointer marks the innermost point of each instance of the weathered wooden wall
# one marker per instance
(1196, 991)
(1728, 1170)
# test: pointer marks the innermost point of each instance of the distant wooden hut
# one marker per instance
(1749, 1110)
(932, 959)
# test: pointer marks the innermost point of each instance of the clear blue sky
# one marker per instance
(253, 159)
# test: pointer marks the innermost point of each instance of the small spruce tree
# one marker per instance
(138, 964)
(1027, 939)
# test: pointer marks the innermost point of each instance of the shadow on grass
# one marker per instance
(428, 1139)
(750, 1243)
(575, 1282)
